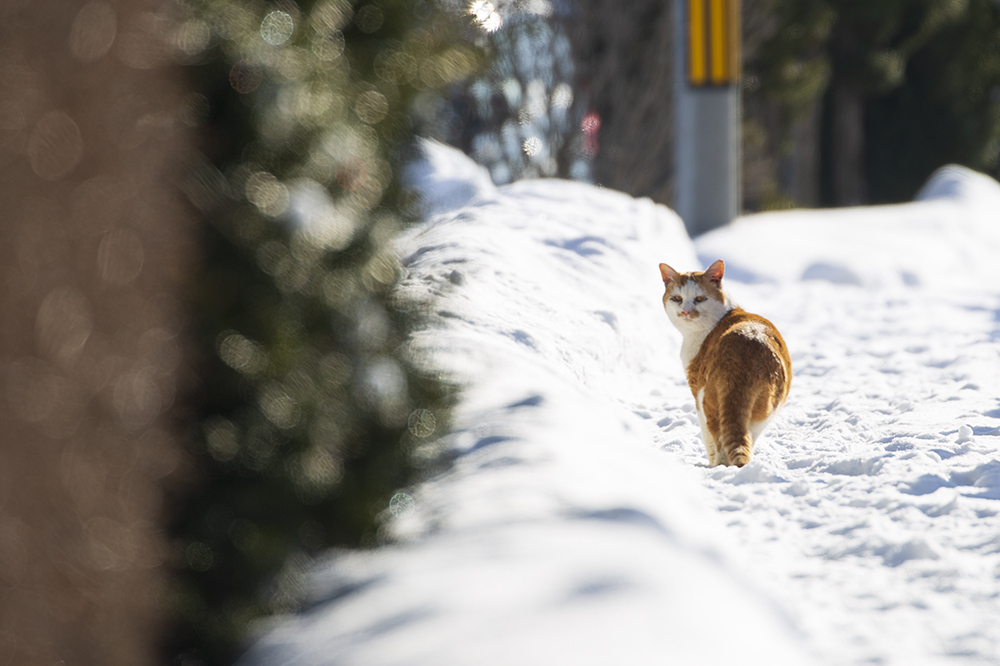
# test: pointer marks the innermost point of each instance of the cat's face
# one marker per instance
(694, 300)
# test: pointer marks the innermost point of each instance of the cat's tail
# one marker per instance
(735, 439)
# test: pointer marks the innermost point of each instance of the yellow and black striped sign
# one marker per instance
(713, 48)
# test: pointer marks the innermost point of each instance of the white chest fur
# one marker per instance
(691, 344)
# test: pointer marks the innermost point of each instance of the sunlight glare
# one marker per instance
(486, 15)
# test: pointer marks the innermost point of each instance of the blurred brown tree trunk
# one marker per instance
(847, 144)
(93, 251)
(624, 57)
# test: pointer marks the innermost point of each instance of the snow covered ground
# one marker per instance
(578, 522)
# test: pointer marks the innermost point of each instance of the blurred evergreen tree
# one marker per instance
(786, 73)
(947, 110)
(308, 415)
(852, 65)
(519, 116)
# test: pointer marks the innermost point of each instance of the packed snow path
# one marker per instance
(874, 508)
(579, 523)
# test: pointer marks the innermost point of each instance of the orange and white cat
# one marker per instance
(737, 363)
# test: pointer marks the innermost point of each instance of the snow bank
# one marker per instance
(878, 527)
(444, 183)
(560, 534)
(946, 237)
(578, 523)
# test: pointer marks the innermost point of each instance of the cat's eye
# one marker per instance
(676, 299)
(700, 299)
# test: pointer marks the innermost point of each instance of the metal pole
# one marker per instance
(706, 75)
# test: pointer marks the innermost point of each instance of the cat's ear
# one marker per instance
(715, 271)
(669, 274)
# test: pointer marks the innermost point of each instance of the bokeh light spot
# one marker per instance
(137, 399)
(313, 213)
(401, 504)
(245, 76)
(242, 354)
(371, 106)
(329, 47)
(369, 19)
(293, 62)
(532, 146)
(319, 471)
(422, 423)
(222, 439)
(267, 193)
(333, 14)
(63, 324)
(55, 146)
(277, 27)
(396, 67)
(562, 96)
(352, 174)
(279, 408)
(199, 556)
(192, 37)
(120, 257)
(93, 31)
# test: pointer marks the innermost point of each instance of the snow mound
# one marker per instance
(945, 238)
(578, 522)
(958, 182)
(559, 534)
(446, 179)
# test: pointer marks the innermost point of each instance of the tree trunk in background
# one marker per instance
(93, 247)
(847, 145)
(624, 57)
(800, 168)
